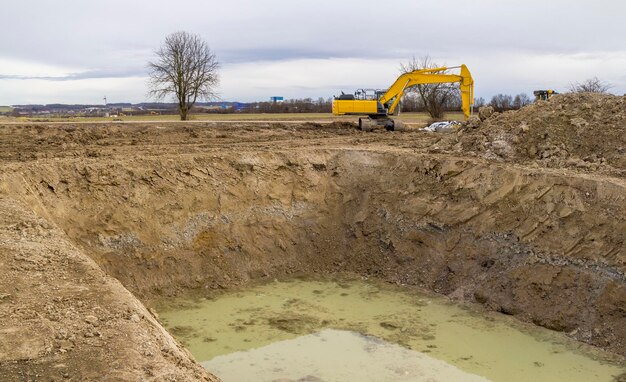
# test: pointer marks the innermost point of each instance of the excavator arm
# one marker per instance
(431, 76)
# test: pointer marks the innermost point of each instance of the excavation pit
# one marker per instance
(100, 222)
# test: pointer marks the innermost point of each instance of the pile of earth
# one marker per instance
(575, 130)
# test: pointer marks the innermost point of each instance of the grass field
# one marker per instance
(5, 109)
(406, 117)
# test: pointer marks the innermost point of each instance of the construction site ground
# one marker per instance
(523, 212)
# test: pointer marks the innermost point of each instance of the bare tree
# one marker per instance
(521, 100)
(591, 85)
(434, 97)
(479, 102)
(501, 102)
(185, 68)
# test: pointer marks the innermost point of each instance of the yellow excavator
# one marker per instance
(544, 95)
(378, 105)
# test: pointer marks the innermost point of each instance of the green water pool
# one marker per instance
(287, 330)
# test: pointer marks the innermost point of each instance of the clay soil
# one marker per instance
(523, 212)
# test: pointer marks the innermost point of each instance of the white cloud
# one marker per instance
(309, 49)
(525, 72)
(304, 77)
(19, 68)
(91, 91)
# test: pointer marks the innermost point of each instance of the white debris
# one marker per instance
(443, 126)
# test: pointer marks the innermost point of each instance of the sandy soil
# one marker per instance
(63, 318)
(478, 215)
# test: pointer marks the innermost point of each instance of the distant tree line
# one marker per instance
(504, 102)
(411, 102)
(414, 102)
(304, 105)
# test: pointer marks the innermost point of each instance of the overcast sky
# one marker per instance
(71, 51)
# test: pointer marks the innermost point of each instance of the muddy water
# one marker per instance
(412, 335)
(335, 355)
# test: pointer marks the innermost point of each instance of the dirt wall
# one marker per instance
(544, 245)
(63, 319)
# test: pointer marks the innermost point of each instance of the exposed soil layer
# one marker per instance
(176, 207)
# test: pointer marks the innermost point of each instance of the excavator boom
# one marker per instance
(431, 76)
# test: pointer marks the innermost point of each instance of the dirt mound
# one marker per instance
(581, 130)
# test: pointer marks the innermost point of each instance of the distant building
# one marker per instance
(238, 106)
(277, 99)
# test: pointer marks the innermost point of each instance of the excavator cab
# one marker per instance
(368, 94)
